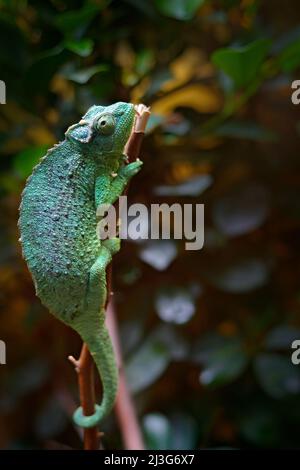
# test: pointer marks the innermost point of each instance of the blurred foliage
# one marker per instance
(206, 334)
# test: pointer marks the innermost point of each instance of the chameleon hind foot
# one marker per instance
(87, 421)
(112, 244)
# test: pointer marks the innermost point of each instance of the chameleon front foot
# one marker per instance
(87, 421)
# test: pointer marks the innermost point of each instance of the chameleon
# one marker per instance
(58, 227)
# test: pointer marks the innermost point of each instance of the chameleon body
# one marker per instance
(58, 231)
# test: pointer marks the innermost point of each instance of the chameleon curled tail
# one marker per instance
(96, 336)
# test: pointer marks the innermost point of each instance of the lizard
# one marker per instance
(57, 223)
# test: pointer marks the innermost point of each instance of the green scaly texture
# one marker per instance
(58, 223)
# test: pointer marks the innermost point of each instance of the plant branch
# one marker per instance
(125, 411)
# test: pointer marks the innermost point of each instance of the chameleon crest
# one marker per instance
(58, 223)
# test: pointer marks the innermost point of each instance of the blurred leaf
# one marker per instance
(277, 375)
(131, 334)
(158, 253)
(155, 120)
(51, 421)
(246, 130)
(242, 63)
(223, 359)
(12, 58)
(25, 160)
(185, 67)
(201, 98)
(43, 68)
(286, 39)
(144, 61)
(184, 432)
(83, 47)
(179, 9)
(240, 276)
(180, 128)
(260, 427)
(179, 432)
(175, 305)
(178, 347)
(74, 22)
(289, 58)
(83, 76)
(147, 364)
(158, 78)
(281, 337)
(158, 432)
(241, 211)
(192, 187)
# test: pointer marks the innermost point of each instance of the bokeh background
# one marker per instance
(207, 334)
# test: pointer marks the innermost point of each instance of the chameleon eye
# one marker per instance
(105, 124)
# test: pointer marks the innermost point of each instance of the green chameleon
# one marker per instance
(58, 231)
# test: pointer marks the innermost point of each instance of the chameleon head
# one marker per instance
(107, 128)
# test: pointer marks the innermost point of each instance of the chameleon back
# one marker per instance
(58, 209)
(58, 228)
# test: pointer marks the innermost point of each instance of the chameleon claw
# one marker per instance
(114, 174)
(126, 158)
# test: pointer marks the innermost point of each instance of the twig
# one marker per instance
(125, 411)
(124, 408)
(84, 366)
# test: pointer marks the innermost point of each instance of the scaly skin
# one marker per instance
(58, 231)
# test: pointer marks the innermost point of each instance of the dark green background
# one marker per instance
(207, 337)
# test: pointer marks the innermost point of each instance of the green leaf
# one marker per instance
(175, 305)
(158, 253)
(74, 21)
(158, 431)
(223, 359)
(281, 337)
(184, 431)
(12, 58)
(25, 160)
(84, 75)
(241, 276)
(242, 64)
(148, 363)
(180, 9)
(277, 375)
(43, 68)
(83, 47)
(289, 58)
(177, 432)
(260, 426)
